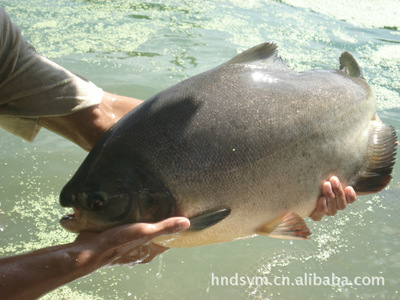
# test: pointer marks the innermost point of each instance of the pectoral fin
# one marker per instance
(291, 226)
(208, 219)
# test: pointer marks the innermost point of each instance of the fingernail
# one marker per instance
(182, 224)
(352, 194)
(335, 182)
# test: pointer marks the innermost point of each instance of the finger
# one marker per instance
(155, 251)
(350, 194)
(140, 255)
(168, 226)
(320, 210)
(339, 193)
(133, 256)
(330, 198)
(139, 233)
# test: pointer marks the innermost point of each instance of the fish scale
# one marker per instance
(240, 150)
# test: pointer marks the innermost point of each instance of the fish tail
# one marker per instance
(381, 156)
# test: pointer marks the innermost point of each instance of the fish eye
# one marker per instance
(95, 201)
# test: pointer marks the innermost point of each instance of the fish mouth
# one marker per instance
(68, 217)
(70, 222)
(79, 222)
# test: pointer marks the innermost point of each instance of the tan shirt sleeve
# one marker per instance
(32, 86)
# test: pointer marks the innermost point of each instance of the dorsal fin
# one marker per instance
(265, 53)
(349, 65)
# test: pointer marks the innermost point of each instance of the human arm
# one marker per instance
(86, 126)
(28, 276)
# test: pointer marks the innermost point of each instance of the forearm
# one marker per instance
(31, 275)
(85, 127)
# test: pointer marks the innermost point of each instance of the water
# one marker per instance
(138, 48)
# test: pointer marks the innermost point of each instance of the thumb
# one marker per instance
(139, 233)
(168, 226)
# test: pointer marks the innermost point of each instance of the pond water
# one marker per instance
(137, 48)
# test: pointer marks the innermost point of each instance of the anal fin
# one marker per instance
(208, 219)
(291, 226)
(380, 159)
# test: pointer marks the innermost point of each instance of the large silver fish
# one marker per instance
(241, 150)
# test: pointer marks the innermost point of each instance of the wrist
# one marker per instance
(90, 252)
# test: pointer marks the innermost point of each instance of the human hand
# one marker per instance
(333, 198)
(126, 244)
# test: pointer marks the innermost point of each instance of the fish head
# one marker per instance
(106, 192)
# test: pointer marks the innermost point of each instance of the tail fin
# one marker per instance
(381, 156)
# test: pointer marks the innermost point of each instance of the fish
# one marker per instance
(241, 150)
